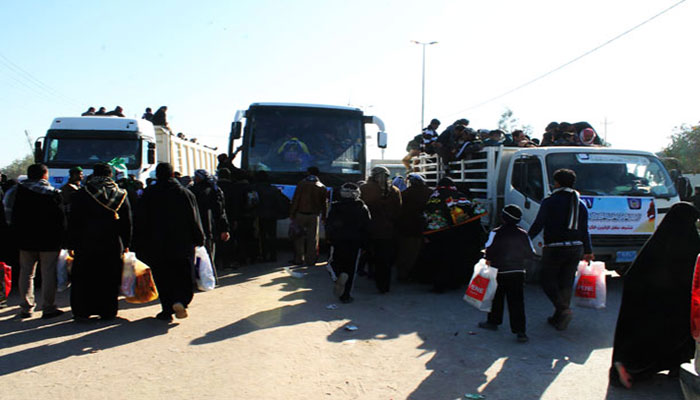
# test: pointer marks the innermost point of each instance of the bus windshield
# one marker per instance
(85, 152)
(293, 139)
(605, 174)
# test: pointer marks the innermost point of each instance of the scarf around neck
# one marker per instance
(572, 219)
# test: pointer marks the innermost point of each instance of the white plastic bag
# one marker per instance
(126, 288)
(62, 282)
(589, 285)
(482, 287)
(203, 267)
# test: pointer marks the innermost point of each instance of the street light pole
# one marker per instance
(422, 103)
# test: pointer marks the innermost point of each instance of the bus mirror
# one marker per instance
(236, 130)
(38, 153)
(151, 153)
(381, 140)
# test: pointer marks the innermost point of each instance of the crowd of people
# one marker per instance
(458, 140)
(429, 235)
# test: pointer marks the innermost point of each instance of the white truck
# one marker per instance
(627, 192)
(84, 141)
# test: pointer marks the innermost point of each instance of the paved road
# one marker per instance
(267, 335)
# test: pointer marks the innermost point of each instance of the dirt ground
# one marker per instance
(264, 334)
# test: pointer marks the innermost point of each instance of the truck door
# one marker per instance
(527, 187)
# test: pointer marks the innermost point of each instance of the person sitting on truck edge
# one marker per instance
(564, 219)
(90, 111)
(550, 133)
(450, 145)
(423, 142)
(101, 111)
(159, 118)
(507, 249)
(494, 138)
(469, 144)
(117, 112)
(448, 137)
(148, 115)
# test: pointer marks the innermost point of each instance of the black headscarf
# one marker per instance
(653, 327)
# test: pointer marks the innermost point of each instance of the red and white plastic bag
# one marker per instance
(589, 285)
(482, 287)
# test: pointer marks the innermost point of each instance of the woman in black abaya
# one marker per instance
(653, 327)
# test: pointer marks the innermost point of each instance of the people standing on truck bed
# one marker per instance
(446, 143)
(309, 205)
(166, 230)
(384, 202)
(99, 232)
(425, 142)
(37, 221)
(564, 219)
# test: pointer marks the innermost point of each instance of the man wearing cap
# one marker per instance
(210, 201)
(507, 249)
(309, 204)
(564, 219)
(384, 202)
(75, 177)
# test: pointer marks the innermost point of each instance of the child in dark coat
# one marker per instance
(507, 249)
(347, 231)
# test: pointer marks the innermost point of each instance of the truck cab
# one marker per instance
(84, 141)
(627, 192)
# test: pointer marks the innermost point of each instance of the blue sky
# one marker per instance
(207, 59)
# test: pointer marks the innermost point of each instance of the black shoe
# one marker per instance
(24, 314)
(564, 320)
(488, 325)
(346, 299)
(51, 314)
(163, 316)
(522, 337)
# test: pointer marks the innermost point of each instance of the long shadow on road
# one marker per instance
(103, 335)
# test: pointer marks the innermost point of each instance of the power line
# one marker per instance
(571, 61)
(27, 78)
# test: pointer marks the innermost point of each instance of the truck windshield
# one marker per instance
(604, 174)
(86, 151)
(293, 139)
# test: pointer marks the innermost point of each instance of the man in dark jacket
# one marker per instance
(347, 227)
(410, 224)
(38, 223)
(564, 219)
(210, 200)
(308, 205)
(225, 250)
(99, 231)
(384, 202)
(273, 205)
(507, 249)
(167, 228)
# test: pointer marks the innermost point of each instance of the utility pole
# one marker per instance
(605, 129)
(29, 141)
(422, 103)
